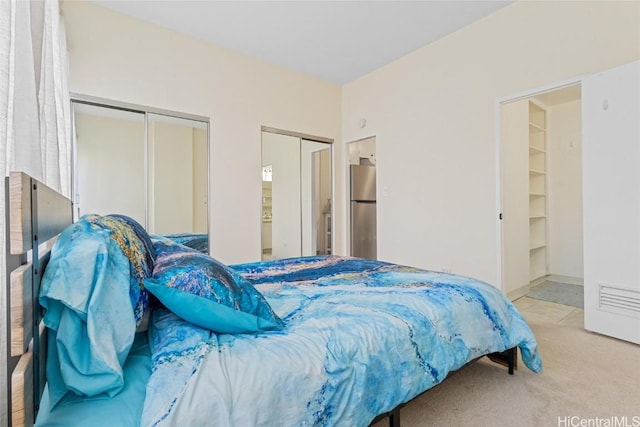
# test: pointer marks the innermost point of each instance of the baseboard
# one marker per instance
(538, 281)
(565, 279)
(518, 293)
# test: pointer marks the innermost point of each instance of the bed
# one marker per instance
(145, 330)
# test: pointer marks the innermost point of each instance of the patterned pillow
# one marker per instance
(197, 241)
(207, 293)
(135, 244)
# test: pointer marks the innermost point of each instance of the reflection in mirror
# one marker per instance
(296, 197)
(315, 171)
(177, 175)
(282, 153)
(110, 157)
(158, 176)
(267, 212)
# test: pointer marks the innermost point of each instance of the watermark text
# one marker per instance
(613, 421)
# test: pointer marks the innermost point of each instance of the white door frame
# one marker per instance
(497, 131)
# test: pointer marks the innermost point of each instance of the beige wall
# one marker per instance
(121, 58)
(433, 114)
(565, 190)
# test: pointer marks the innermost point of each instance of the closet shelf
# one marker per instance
(535, 150)
(536, 172)
(536, 246)
(533, 127)
(537, 195)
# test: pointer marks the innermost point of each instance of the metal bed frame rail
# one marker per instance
(508, 358)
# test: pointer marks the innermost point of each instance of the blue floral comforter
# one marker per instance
(361, 337)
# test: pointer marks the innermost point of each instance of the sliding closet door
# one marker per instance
(151, 165)
(282, 154)
(296, 196)
(315, 196)
(110, 157)
(177, 175)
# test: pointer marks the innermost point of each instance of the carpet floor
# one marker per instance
(585, 376)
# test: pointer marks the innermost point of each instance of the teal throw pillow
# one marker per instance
(207, 293)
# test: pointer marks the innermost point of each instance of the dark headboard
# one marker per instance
(35, 215)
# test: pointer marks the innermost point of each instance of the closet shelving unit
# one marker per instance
(538, 249)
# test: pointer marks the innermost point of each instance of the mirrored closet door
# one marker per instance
(296, 196)
(109, 157)
(148, 164)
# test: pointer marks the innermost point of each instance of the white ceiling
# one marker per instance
(337, 41)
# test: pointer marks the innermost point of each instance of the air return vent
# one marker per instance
(619, 300)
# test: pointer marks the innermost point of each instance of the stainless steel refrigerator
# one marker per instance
(363, 211)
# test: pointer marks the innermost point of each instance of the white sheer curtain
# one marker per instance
(34, 112)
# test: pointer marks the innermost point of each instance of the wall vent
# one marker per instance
(619, 300)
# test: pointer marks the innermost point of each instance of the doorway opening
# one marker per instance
(541, 195)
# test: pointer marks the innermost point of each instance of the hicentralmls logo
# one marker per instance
(614, 421)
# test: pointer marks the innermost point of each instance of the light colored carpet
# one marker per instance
(561, 293)
(585, 376)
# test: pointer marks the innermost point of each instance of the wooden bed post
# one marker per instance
(28, 233)
(5, 397)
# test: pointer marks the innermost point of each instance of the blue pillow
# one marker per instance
(93, 296)
(197, 241)
(207, 293)
(136, 245)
